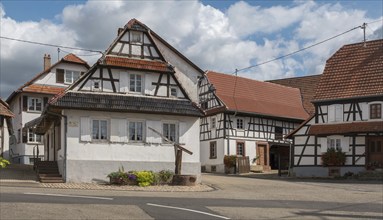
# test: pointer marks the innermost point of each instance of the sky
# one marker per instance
(216, 35)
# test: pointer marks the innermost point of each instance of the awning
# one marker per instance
(41, 124)
(346, 128)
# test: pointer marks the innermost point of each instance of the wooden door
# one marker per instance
(375, 150)
(262, 153)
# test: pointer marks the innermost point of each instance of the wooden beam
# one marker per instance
(172, 142)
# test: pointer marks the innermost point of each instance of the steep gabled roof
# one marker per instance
(307, 86)
(355, 70)
(4, 109)
(46, 89)
(252, 96)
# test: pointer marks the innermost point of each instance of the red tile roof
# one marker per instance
(74, 59)
(4, 109)
(346, 128)
(354, 70)
(139, 64)
(252, 96)
(306, 84)
(43, 89)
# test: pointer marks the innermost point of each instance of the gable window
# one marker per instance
(32, 137)
(375, 111)
(213, 150)
(135, 83)
(71, 76)
(240, 123)
(135, 131)
(213, 122)
(99, 129)
(136, 37)
(96, 85)
(173, 92)
(169, 131)
(34, 104)
(278, 133)
(241, 149)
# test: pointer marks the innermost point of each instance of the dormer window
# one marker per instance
(71, 76)
(375, 111)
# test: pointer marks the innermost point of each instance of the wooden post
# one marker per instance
(178, 162)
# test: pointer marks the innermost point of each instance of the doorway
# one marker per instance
(374, 151)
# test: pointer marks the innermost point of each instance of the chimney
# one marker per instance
(47, 61)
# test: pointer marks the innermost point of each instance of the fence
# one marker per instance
(243, 165)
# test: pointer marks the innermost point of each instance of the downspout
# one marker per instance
(65, 140)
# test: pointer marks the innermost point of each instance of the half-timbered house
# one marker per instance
(103, 122)
(247, 117)
(348, 113)
(28, 101)
(5, 128)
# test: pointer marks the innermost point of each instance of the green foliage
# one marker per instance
(121, 177)
(145, 178)
(163, 177)
(4, 162)
(230, 161)
(333, 157)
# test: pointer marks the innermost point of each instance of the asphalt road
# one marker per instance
(235, 198)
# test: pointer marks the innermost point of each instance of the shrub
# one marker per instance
(230, 161)
(333, 157)
(4, 162)
(144, 178)
(166, 176)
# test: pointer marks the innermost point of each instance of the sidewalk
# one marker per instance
(15, 173)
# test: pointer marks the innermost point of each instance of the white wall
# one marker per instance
(50, 78)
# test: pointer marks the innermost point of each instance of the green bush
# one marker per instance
(4, 162)
(166, 176)
(333, 157)
(230, 161)
(144, 178)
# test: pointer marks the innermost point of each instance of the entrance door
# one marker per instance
(375, 151)
(262, 154)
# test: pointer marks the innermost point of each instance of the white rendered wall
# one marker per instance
(50, 78)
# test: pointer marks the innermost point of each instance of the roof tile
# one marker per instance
(153, 65)
(345, 128)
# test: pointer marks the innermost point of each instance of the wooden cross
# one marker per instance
(177, 151)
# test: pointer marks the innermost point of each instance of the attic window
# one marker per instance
(136, 37)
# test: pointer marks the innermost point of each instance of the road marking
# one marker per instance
(189, 210)
(73, 196)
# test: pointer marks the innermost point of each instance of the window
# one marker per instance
(334, 143)
(99, 130)
(240, 149)
(278, 133)
(71, 76)
(135, 131)
(335, 113)
(173, 92)
(239, 123)
(32, 137)
(135, 83)
(375, 111)
(169, 131)
(136, 37)
(34, 104)
(96, 85)
(213, 122)
(213, 150)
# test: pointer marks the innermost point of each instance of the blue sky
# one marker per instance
(216, 35)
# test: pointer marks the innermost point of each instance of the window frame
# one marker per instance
(176, 136)
(32, 135)
(242, 127)
(135, 129)
(135, 83)
(243, 150)
(98, 138)
(176, 92)
(213, 122)
(136, 33)
(375, 113)
(29, 104)
(72, 79)
(335, 143)
(213, 150)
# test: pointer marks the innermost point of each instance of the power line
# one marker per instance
(50, 45)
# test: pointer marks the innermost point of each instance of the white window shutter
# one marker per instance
(183, 133)
(85, 129)
(345, 142)
(151, 136)
(339, 113)
(365, 111)
(331, 113)
(323, 142)
(123, 129)
(124, 82)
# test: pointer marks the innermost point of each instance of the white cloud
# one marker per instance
(242, 36)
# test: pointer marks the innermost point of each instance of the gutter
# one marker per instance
(65, 140)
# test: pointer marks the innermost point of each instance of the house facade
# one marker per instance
(5, 129)
(348, 113)
(103, 121)
(245, 117)
(29, 100)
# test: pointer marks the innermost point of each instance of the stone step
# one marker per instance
(52, 180)
(50, 175)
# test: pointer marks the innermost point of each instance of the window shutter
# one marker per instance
(331, 113)
(25, 103)
(338, 112)
(85, 129)
(124, 82)
(183, 137)
(118, 130)
(25, 135)
(152, 137)
(323, 143)
(345, 142)
(365, 111)
(59, 76)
